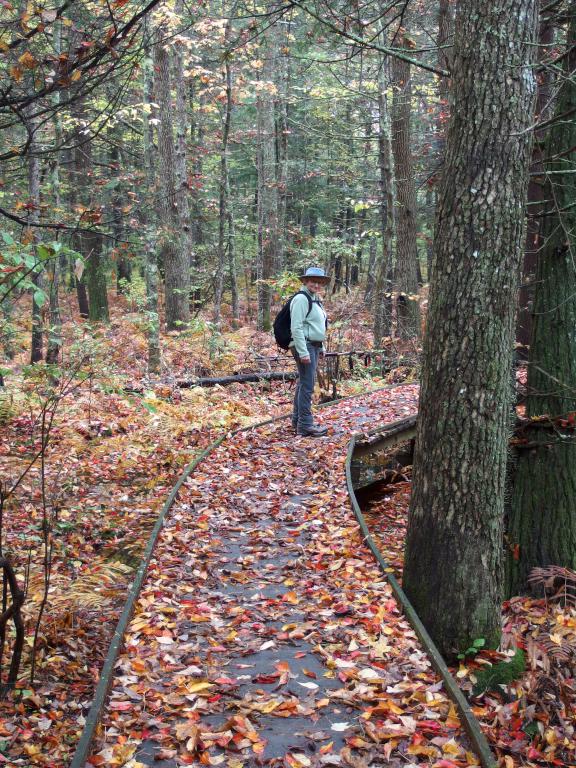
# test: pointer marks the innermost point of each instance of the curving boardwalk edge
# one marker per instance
(469, 721)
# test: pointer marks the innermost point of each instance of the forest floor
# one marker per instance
(117, 445)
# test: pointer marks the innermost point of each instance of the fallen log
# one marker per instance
(238, 378)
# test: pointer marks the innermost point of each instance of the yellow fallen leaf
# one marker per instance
(200, 686)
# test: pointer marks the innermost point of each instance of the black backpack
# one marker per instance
(282, 332)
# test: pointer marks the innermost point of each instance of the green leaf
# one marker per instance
(44, 252)
(480, 642)
(39, 298)
(8, 239)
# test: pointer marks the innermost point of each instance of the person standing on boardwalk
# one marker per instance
(308, 328)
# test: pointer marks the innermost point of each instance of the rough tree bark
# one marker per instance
(382, 314)
(172, 253)
(151, 263)
(181, 148)
(536, 196)
(33, 218)
(88, 243)
(453, 565)
(54, 344)
(267, 185)
(406, 272)
(224, 184)
(542, 516)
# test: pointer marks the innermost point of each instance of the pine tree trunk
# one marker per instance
(536, 197)
(172, 254)
(224, 185)
(542, 516)
(88, 243)
(95, 277)
(267, 186)
(406, 273)
(197, 138)
(55, 320)
(151, 263)
(123, 264)
(370, 276)
(181, 153)
(381, 304)
(31, 123)
(453, 564)
(283, 132)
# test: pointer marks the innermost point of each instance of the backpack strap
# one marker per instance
(309, 300)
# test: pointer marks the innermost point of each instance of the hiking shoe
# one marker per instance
(312, 432)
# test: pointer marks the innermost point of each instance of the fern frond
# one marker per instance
(557, 583)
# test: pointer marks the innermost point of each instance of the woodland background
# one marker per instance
(167, 170)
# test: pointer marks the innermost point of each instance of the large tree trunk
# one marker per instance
(173, 256)
(453, 565)
(542, 516)
(406, 273)
(267, 187)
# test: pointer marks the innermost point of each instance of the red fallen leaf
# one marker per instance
(341, 609)
(309, 673)
(120, 706)
(429, 725)
(445, 764)
(226, 681)
(534, 754)
(266, 678)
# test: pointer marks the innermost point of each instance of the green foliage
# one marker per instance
(479, 643)
(285, 285)
(19, 262)
(500, 674)
(134, 290)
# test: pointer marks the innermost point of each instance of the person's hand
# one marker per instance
(322, 353)
(305, 360)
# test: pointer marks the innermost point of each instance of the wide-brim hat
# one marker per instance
(315, 273)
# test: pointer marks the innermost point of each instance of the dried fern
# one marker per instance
(557, 583)
(92, 590)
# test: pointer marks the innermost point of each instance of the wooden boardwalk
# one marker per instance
(265, 632)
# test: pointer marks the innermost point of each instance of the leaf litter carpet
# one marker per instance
(265, 633)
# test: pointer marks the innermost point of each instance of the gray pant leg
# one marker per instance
(302, 410)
